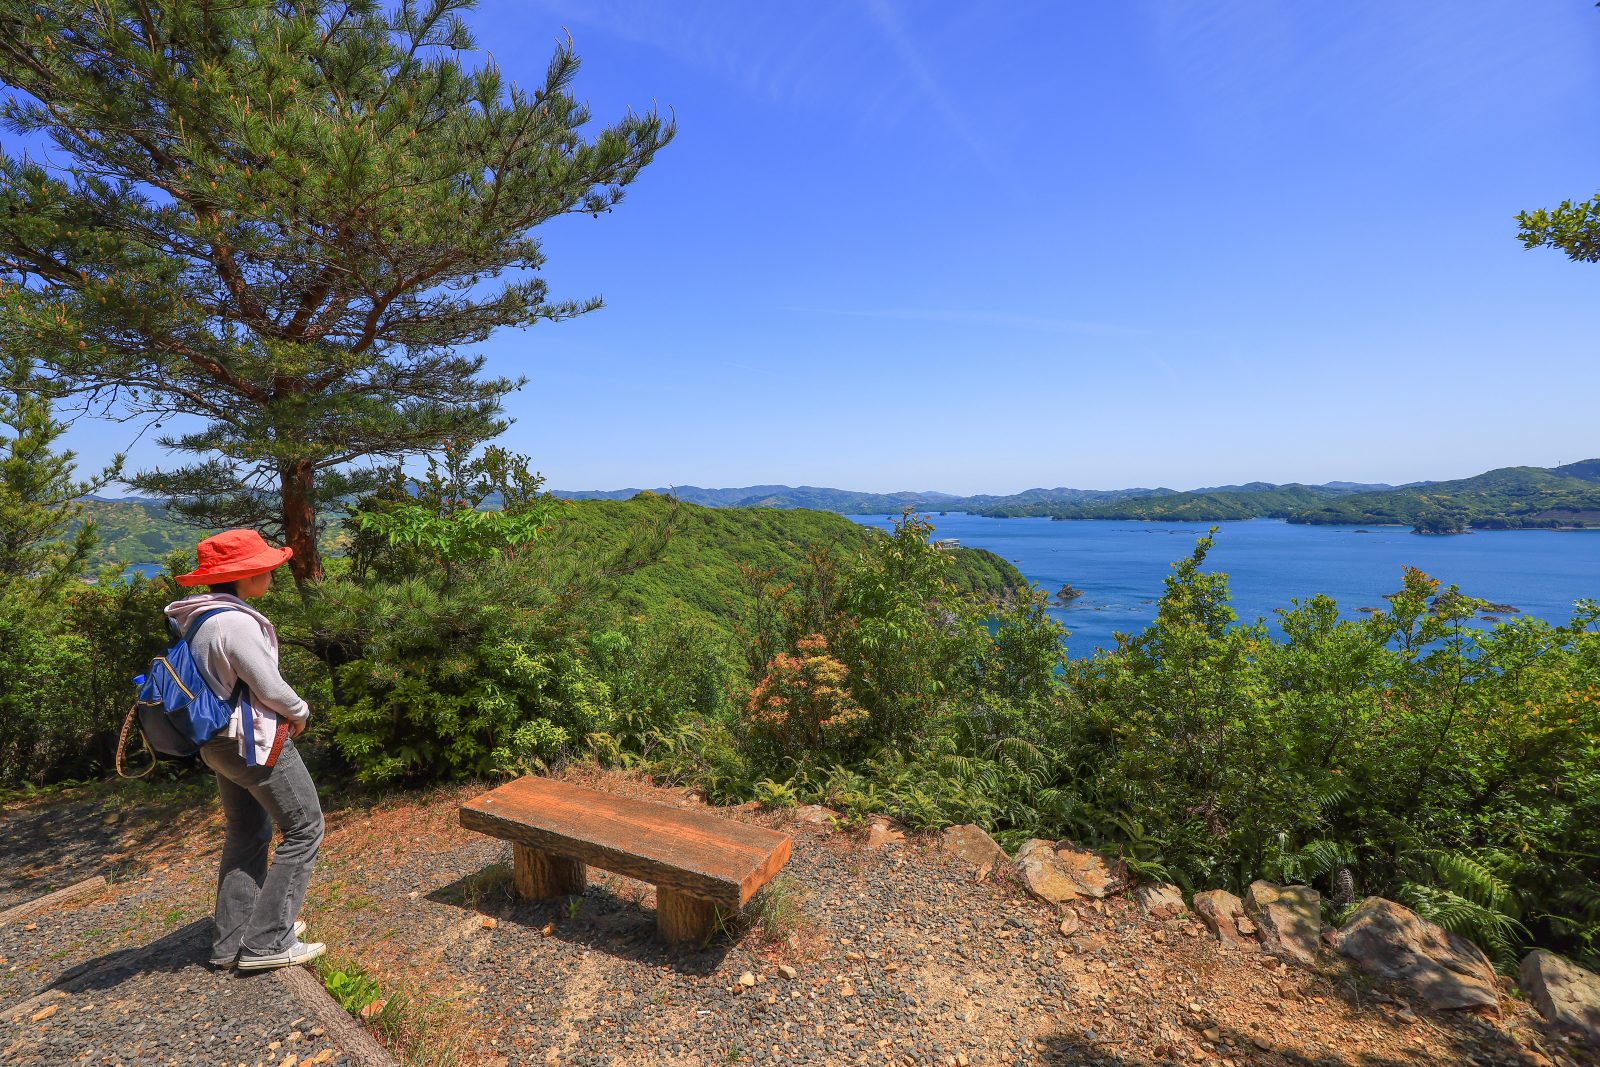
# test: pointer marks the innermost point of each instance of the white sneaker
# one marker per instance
(293, 956)
(227, 964)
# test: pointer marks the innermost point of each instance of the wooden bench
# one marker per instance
(702, 866)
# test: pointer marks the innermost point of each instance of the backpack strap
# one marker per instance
(234, 699)
(122, 746)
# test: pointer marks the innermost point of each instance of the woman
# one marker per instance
(259, 773)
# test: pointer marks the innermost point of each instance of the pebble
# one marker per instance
(912, 962)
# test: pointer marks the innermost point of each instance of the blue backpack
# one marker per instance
(176, 710)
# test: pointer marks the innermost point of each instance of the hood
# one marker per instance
(184, 612)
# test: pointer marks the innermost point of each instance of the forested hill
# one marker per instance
(1508, 498)
(699, 567)
(1260, 500)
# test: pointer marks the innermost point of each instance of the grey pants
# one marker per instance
(257, 904)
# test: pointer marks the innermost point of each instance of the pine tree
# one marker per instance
(38, 494)
(285, 218)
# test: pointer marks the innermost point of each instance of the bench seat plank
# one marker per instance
(692, 852)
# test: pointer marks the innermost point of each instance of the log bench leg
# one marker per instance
(680, 917)
(542, 876)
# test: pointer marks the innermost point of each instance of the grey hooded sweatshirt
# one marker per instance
(241, 645)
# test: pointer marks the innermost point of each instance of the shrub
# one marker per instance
(66, 674)
(451, 683)
(40, 717)
(664, 674)
(803, 706)
(1434, 761)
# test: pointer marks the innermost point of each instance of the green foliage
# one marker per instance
(1572, 229)
(664, 674)
(1414, 753)
(67, 651)
(37, 705)
(286, 220)
(38, 494)
(66, 669)
(350, 985)
(440, 520)
(1442, 764)
(450, 682)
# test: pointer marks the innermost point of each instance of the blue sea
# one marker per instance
(1120, 565)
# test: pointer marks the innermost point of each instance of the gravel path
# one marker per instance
(897, 955)
(162, 1004)
(902, 957)
(122, 978)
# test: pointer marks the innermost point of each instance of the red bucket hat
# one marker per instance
(231, 555)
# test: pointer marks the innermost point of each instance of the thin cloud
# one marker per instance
(894, 31)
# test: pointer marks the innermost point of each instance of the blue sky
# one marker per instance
(978, 247)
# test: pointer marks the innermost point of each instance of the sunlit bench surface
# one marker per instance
(702, 866)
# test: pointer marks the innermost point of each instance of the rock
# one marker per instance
(972, 844)
(1222, 913)
(1042, 874)
(1565, 994)
(1390, 941)
(1058, 873)
(1070, 923)
(787, 971)
(1096, 876)
(815, 815)
(747, 979)
(882, 835)
(1161, 901)
(1289, 917)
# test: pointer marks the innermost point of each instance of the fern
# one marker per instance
(1500, 935)
(1473, 876)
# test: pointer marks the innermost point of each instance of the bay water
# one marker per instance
(1120, 566)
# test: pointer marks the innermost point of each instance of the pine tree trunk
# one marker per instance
(300, 522)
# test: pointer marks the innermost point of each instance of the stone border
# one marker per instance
(15, 1013)
(357, 1043)
(86, 888)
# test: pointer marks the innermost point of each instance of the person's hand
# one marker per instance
(298, 728)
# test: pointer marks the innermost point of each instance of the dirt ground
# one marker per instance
(898, 954)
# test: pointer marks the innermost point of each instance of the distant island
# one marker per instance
(1067, 594)
(1510, 498)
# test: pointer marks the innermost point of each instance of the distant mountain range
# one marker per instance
(849, 502)
(1508, 498)
(138, 529)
